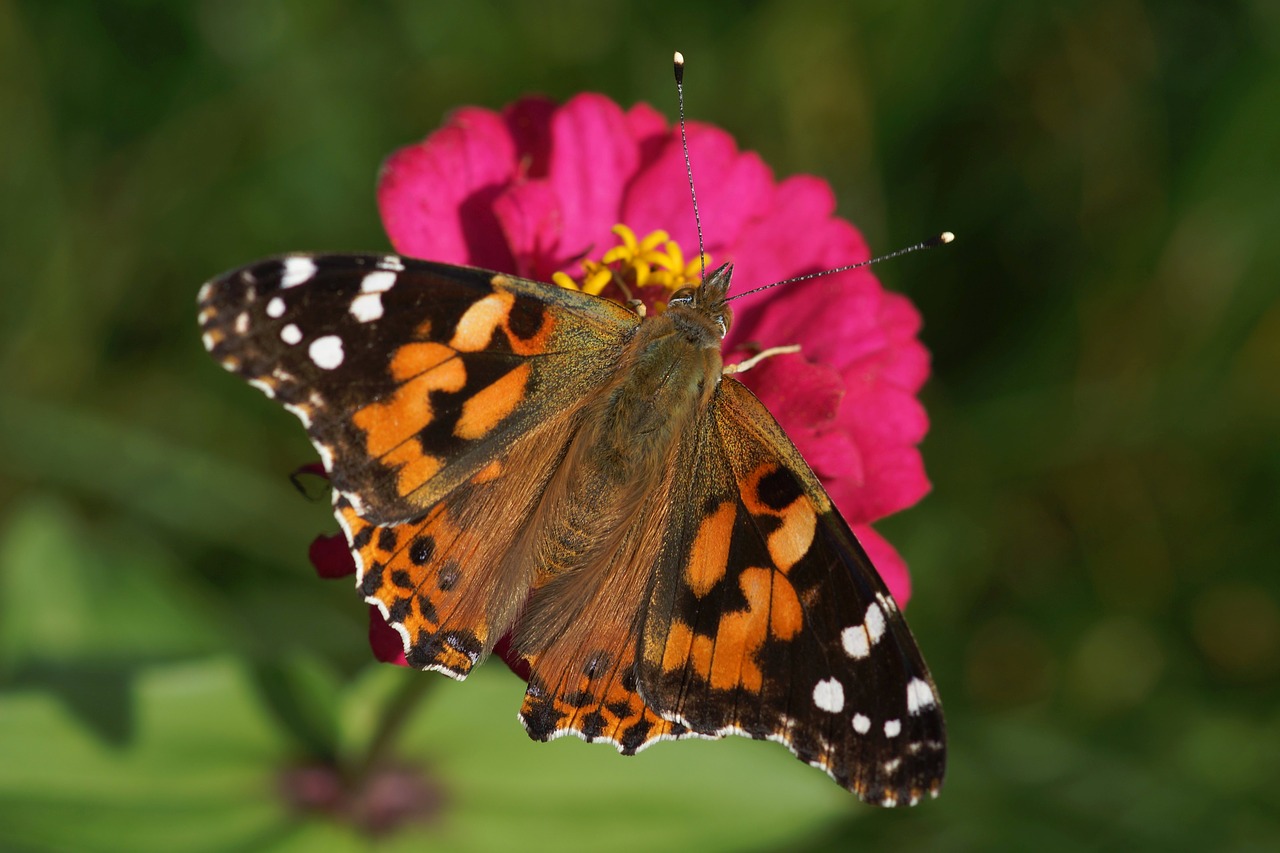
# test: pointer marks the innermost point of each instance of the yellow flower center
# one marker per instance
(649, 270)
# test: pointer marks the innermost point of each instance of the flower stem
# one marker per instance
(396, 713)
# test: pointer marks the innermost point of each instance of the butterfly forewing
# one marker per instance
(768, 620)
(440, 399)
(410, 376)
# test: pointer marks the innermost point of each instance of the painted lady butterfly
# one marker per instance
(510, 456)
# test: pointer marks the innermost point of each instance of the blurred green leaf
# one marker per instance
(70, 591)
(304, 696)
(82, 610)
(197, 776)
(202, 774)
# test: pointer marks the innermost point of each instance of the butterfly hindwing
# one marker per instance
(450, 582)
(767, 618)
(440, 399)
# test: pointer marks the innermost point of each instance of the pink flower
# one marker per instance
(537, 190)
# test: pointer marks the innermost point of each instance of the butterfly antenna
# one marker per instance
(688, 167)
(942, 239)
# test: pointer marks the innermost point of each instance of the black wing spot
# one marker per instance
(593, 725)
(399, 609)
(422, 549)
(635, 736)
(526, 318)
(778, 489)
(541, 719)
(448, 577)
(372, 580)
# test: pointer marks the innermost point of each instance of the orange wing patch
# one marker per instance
(728, 659)
(709, 556)
(598, 703)
(528, 331)
(754, 606)
(420, 368)
(485, 409)
(410, 573)
(476, 327)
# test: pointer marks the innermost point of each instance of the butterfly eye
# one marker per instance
(683, 296)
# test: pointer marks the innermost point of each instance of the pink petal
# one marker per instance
(891, 480)
(835, 458)
(649, 127)
(530, 218)
(889, 564)
(733, 189)
(797, 234)
(905, 361)
(436, 196)
(592, 156)
(529, 122)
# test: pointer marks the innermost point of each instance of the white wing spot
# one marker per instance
(275, 308)
(242, 323)
(367, 307)
(326, 352)
(875, 622)
(892, 728)
(291, 334)
(856, 644)
(265, 387)
(828, 694)
(919, 696)
(301, 412)
(206, 290)
(209, 341)
(297, 271)
(391, 262)
(861, 724)
(378, 282)
(326, 456)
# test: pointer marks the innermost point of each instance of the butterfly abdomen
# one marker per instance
(600, 518)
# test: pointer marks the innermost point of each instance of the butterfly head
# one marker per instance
(708, 299)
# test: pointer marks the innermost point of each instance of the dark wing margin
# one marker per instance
(767, 619)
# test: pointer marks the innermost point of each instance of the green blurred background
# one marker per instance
(1095, 569)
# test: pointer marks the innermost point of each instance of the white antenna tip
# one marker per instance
(679, 58)
(946, 236)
